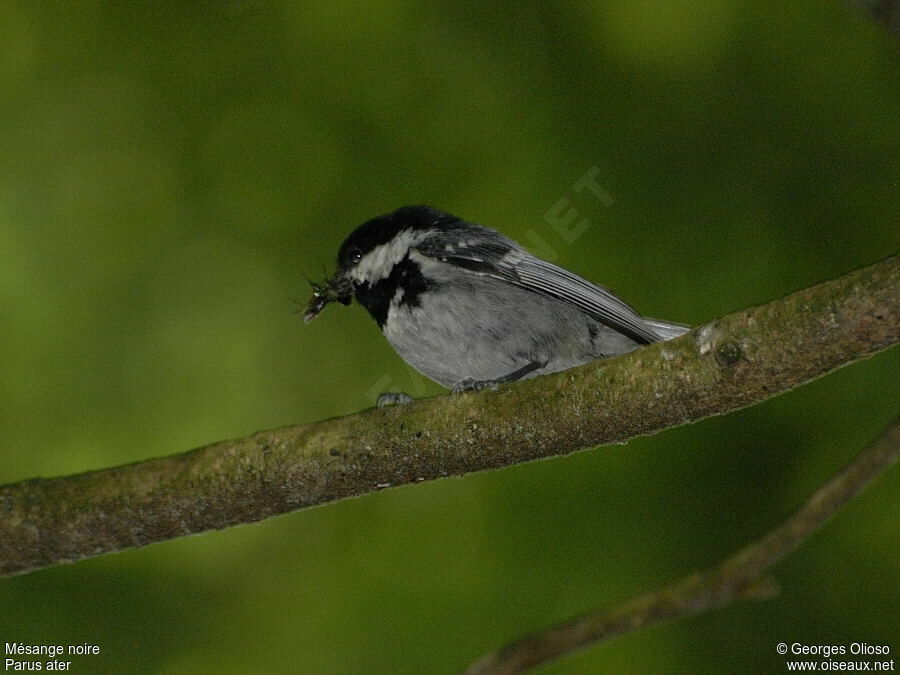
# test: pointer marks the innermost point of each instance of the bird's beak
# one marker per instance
(336, 289)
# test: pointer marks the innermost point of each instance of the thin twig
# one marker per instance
(739, 576)
(733, 362)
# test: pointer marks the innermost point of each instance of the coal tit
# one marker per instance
(472, 309)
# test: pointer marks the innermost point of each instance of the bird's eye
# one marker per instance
(355, 256)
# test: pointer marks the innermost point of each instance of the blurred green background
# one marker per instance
(170, 171)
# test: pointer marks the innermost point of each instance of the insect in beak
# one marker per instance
(336, 289)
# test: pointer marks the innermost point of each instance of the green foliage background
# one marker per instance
(169, 172)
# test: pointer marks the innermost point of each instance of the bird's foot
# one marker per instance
(385, 400)
(471, 384)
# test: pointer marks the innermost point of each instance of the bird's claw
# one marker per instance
(385, 400)
(471, 384)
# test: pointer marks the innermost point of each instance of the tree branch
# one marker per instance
(736, 361)
(738, 576)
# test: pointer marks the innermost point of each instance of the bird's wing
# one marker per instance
(486, 252)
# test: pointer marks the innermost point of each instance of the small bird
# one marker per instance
(470, 308)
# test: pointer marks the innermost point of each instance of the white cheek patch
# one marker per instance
(378, 263)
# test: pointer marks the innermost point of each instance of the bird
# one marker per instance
(470, 308)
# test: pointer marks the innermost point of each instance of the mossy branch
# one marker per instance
(733, 362)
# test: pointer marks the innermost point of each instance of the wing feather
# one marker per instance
(483, 251)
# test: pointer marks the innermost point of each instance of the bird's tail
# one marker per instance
(666, 329)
